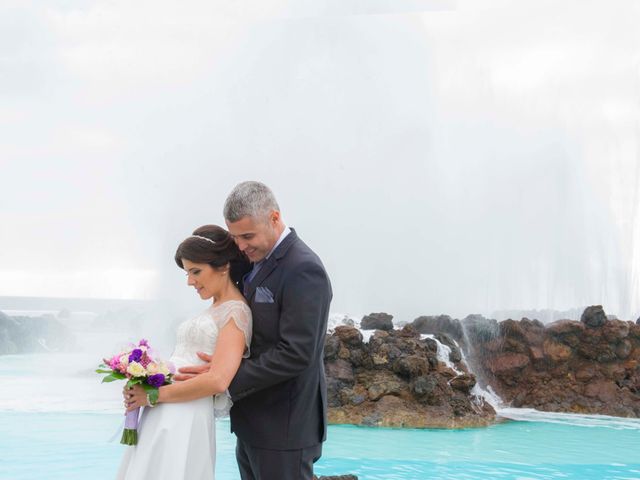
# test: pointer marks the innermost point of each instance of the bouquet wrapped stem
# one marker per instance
(138, 367)
(130, 432)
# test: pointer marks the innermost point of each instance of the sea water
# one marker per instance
(58, 422)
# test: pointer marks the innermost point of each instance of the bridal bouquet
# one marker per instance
(138, 366)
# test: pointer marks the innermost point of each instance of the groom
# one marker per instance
(279, 412)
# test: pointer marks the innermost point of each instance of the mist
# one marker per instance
(440, 157)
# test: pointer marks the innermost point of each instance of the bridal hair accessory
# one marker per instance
(204, 238)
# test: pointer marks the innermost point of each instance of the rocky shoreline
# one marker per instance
(400, 378)
(44, 334)
(432, 372)
(588, 366)
(397, 380)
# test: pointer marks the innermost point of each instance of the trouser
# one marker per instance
(264, 464)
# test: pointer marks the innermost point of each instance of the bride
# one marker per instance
(176, 438)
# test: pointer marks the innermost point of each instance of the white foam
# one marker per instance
(366, 335)
(488, 395)
(443, 352)
(336, 319)
(56, 383)
(581, 420)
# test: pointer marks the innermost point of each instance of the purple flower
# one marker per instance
(156, 380)
(143, 343)
(135, 355)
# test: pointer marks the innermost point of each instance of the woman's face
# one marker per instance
(204, 278)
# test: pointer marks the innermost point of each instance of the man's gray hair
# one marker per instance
(249, 199)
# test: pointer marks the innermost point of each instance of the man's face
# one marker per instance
(255, 236)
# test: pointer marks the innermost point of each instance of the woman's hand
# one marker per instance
(134, 397)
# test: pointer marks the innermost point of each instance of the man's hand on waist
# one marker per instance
(191, 371)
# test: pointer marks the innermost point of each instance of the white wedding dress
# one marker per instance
(177, 440)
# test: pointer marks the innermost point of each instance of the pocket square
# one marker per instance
(263, 295)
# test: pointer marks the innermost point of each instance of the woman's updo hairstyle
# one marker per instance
(214, 245)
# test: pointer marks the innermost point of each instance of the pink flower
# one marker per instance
(145, 360)
(114, 363)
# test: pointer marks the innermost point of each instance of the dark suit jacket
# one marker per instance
(279, 394)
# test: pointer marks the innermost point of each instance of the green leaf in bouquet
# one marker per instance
(113, 376)
(134, 381)
(152, 392)
(100, 370)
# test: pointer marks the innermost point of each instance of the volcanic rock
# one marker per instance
(464, 382)
(377, 321)
(591, 366)
(341, 370)
(439, 324)
(350, 336)
(594, 316)
(397, 380)
(477, 327)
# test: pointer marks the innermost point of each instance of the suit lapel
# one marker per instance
(266, 269)
(271, 263)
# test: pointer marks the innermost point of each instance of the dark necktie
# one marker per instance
(248, 278)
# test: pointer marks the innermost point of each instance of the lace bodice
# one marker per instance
(200, 333)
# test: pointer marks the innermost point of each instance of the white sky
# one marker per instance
(440, 156)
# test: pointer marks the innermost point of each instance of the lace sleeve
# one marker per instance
(241, 315)
(222, 404)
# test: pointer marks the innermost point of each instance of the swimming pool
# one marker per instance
(76, 446)
(56, 420)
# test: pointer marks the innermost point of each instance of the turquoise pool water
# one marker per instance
(71, 446)
(56, 420)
